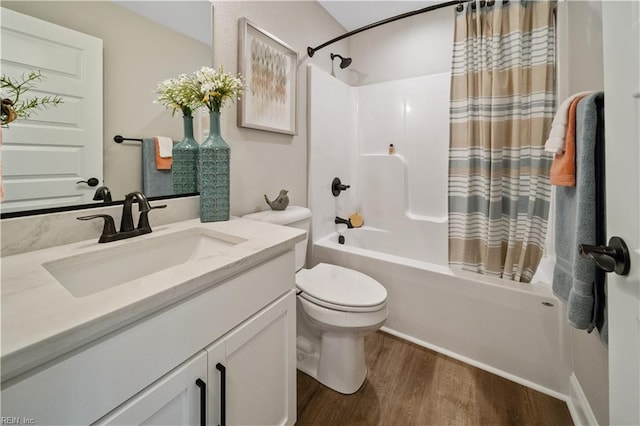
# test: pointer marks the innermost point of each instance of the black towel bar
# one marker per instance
(120, 139)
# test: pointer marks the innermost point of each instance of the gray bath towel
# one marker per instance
(576, 280)
(154, 182)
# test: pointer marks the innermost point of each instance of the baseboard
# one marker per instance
(579, 407)
(485, 367)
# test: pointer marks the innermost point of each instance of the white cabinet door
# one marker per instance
(258, 360)
(45, 156)
(176, 399)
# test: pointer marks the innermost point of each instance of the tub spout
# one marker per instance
(344, 221)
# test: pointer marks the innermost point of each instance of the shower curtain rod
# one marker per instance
(312, 50)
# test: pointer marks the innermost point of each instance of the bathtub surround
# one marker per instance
(501, 112)
(402, 194)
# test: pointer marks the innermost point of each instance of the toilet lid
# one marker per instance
(340, 286)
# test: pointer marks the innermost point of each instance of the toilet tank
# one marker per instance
(294, 216)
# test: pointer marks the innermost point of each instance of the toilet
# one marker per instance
(335, 308)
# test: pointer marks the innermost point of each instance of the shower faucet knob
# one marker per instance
(337, 186)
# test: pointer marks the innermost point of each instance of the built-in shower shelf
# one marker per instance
(388, 177)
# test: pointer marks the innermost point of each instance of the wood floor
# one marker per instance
(410, 385)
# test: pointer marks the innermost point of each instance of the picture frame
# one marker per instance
(270, 70)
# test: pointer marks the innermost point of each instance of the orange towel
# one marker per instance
(563, 168)
(161, 163)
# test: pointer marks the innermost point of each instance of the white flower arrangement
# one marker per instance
(206, 87)
(180, 93)
(217, 86)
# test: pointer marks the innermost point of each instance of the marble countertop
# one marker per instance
(42, 320)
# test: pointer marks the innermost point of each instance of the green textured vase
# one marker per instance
(215, 157)
(184, 165)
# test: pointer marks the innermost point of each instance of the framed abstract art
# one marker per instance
(270, 69)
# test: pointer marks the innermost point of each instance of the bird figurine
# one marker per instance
(280, 203)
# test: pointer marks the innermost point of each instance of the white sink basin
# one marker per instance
(86, 274)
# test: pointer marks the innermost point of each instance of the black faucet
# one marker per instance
(344, 221)
(127, 230)
(126, 224)
(102, 194)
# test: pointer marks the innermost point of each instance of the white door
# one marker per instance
(621, 21)
(258, 362)
(176, 399)
(45, 156)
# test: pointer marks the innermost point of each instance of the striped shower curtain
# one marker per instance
(502, 105)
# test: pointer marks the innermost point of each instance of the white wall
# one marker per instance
(264, 162)
(192, 18)
(411, 47)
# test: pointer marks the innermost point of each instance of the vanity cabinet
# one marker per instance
(246, 374)
(146, 371)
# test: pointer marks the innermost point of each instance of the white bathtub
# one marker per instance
(504, 327)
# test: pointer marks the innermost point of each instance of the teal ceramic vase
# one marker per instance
(215, 156)
(184, 165)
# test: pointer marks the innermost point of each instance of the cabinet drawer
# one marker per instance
(85, 385)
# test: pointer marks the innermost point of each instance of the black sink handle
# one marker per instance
(109, 228)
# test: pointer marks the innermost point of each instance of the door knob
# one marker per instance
(91, 181)
(611, 258)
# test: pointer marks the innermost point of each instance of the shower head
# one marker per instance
(344, 62)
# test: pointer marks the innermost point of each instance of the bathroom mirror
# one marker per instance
(143, 44)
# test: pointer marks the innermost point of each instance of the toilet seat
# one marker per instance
(341, 289)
